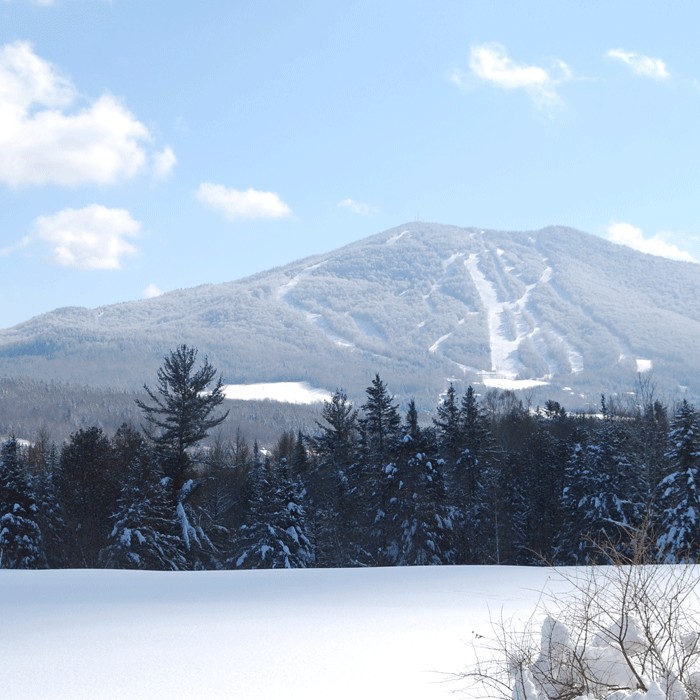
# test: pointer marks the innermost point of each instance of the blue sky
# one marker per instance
(147, 145)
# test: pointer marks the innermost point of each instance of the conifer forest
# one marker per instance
(488, 480)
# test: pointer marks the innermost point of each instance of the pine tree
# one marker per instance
(21, 545)
(180, 415)
(679, 490)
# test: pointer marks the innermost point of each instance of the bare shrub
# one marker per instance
(626, 630)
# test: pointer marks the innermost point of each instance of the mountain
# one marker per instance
(559, 312)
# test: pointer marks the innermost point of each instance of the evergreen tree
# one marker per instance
(144, 535)
(380, 435)
(275, 534)
(88, 485)
(217, 499)
(336, 444)
(679, 490)
(472, 483)
(380, 425)
(49, 515)
(300, 458)
(181, 413)
(330, 484)
(449, 426)
(600, 497)
(542, 462)
(476, 443)
(415, 527)
(21, 545)
(180, 416)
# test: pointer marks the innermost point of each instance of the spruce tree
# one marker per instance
(600, 499)
(275, 533)
(679, 490)
(333, 511)
(415, 527)
(449, 426)
(380, 424)
(144, 535)
(21, 545)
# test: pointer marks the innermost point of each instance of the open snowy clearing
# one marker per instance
(323, 633)
(289, 392)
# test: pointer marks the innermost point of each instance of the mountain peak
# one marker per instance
(423, 304)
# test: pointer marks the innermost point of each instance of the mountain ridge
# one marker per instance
(422, 304)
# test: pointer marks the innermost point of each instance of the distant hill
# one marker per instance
(559, 312)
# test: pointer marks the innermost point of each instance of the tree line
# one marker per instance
(489, 481)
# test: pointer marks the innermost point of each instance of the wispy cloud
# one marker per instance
(641, 65)
(49, 136)
(357, 207)
(163, 163)
(10, 249)
(92, 238)
(631, 236)
(491, 63)
(237, 204)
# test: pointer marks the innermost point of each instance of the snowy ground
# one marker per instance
(324, 633)
(290, 392)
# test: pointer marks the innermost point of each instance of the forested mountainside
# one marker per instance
(561, 312)
(488, 481)
(30, 409)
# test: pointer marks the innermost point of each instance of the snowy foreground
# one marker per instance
(343, 633)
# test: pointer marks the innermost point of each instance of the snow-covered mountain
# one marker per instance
(557, 310)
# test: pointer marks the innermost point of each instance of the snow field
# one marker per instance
(321, 633)
(290, 392)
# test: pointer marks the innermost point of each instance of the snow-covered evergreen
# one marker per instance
(275, 534)
(144, 535)
(679, 490)
(21, 545)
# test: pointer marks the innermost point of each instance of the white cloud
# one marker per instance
(642, 65)
(152, 291)
(357, 207)
(631, 236)
(237, 204)
(163, 163)
(490, 62)
(92, 238)
(48, 137)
